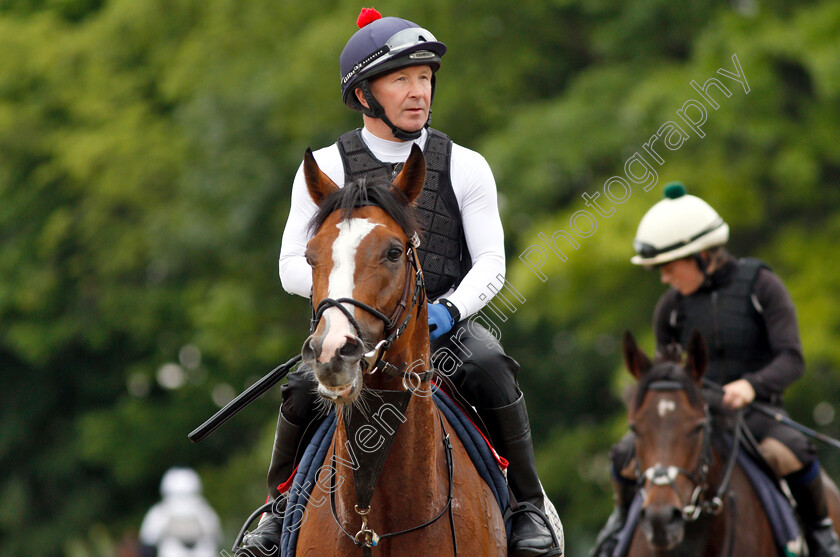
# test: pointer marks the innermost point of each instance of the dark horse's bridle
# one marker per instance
(372, 362)
(660, 475)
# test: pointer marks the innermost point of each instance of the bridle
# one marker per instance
(372, 361)
(661, 475)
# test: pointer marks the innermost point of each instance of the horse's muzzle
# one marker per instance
(663, 526)
(340, 377)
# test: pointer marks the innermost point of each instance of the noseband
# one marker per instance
(372, 360)
(660, 475)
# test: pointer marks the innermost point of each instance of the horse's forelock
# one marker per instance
(670, 353)
(667, 370)
(361, 193)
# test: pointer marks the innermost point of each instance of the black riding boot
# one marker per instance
(264, 541)
(813, 511)
(511, 435)
(624, 491)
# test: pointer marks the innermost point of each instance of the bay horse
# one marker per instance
(397, 481)
(697, 501)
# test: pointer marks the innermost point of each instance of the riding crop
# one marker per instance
(248, 396)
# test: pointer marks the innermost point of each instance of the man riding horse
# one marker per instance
(749, 322)
(388, 70)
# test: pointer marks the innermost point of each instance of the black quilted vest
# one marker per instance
(731, 324)
(443, 253)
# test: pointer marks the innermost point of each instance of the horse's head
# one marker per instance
(672, 430)
(365, 276)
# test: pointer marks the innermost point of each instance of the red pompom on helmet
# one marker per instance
(366, 16)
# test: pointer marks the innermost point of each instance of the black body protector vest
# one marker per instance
(443, 253)
(730, 320)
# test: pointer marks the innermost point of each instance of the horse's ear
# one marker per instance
(318, 183)
(412, 177)
(697, 356)
(636, 361)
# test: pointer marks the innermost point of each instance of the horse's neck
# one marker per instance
(416, 452)
(417, 448)
(416, 433)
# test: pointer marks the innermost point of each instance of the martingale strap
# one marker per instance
(371, 461)
(366, 538)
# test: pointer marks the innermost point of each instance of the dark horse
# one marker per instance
(396, 481)
(696, 500)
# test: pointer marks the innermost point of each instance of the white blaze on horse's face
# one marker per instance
(351, 232)
(665, 406)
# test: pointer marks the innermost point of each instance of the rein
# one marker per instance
(660, 475)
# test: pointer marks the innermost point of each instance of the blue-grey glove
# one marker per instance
(441, 320)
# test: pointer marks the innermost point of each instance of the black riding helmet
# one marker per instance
(382, 45)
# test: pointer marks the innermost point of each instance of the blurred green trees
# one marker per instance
(146, 156)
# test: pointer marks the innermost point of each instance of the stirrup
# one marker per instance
(529, 508)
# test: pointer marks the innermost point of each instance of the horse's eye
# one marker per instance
(394, 254)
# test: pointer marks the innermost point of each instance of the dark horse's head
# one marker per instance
(669, 419)
(363, 270)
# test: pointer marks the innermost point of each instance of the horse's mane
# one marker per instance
(668, 367)
(361, 193)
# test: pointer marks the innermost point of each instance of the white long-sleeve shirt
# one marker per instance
(475, 191)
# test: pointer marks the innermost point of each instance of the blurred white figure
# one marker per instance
(183, 524)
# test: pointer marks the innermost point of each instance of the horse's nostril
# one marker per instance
(308, 351)
(661, 515)
(353, 348)
(676, 515)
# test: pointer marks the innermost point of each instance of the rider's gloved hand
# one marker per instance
(442, 317)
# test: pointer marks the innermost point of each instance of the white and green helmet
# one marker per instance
(678, 226)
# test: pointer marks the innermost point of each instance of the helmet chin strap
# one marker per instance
(377, 111)
(703, 265)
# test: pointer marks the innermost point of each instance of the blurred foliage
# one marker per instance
(147, 149)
